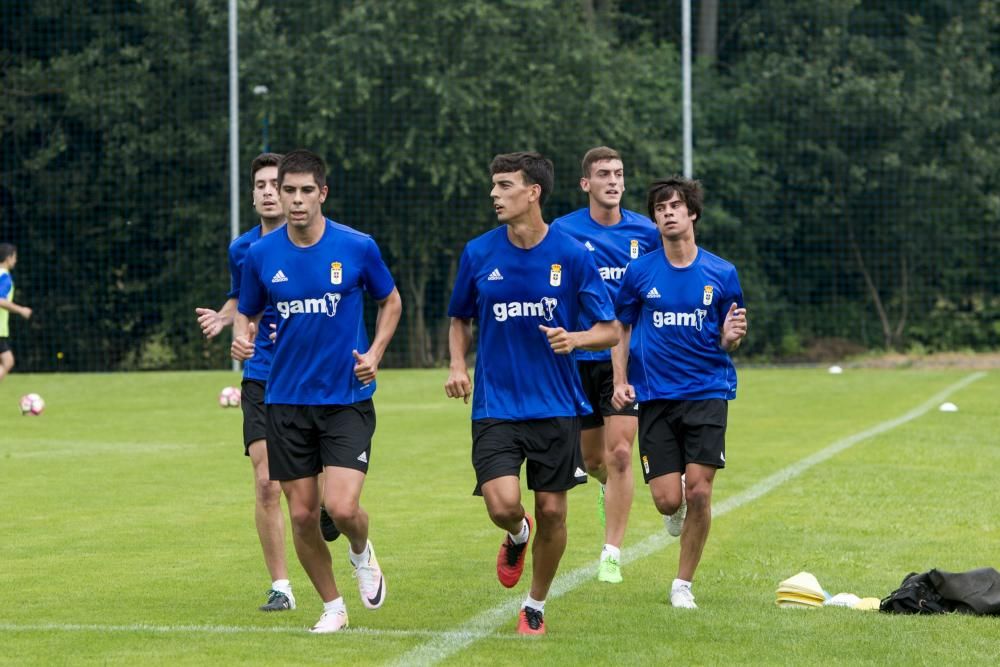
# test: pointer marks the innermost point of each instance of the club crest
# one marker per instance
(555, 276)
(706, 297)
(336, 273)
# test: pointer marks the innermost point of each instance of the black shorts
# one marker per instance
(551, 446)
(303, 439)
(4, 345)
(254, 413)
(675, 433)
(599, 386)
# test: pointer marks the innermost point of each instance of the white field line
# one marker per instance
(487, 622)
(211, 629)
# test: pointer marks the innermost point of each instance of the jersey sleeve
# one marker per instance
(6, 284)
(595, 301)
(377, 279)
(732, 292)
(235, 266)
(627, 302)
(463, 296)
(253, 293)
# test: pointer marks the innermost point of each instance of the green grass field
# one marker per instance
(127, 532)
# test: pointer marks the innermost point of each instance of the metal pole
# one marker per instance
(234, 134)
(686, 78)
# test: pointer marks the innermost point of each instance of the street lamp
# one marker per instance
(261, 90)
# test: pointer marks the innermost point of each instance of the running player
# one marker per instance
(615, 236)
(526, 284)
(682, 313)
(320, 415)
(8, 258)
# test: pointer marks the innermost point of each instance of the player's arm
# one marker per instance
(734, 328)
(624, 393)
(244, 335)
(601, 336)
(15, 308)
(212, 322)
(459, 385)
(389, 311)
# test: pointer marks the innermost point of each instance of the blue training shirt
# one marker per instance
(511, 291)
(258, 366)
(676, 317)
(317, 296)
(613, 248)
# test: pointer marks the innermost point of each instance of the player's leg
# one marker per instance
(698, 487)
(619, 435)
(346, 446)
(6, 362)
(303, 510)
(269, 520)
(550, 540)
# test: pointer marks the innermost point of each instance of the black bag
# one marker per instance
(940, 592)
(916, 595)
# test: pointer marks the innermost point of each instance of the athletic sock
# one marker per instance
(677, 583)
(282, 586)
(335, 605)
(534, 604)
(521, 537)
(360, 559)
(611, 551)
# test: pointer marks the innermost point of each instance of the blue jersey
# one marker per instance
(511, 291)
(676, 317)
(258, 366)
(613, 248)
(317, 294)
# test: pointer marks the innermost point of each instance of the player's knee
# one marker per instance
(550, 515)
(504, 515)
(342, 512)
(268, 492)
(666, 502)
(699, 496)
(304, 519)
(620, 457)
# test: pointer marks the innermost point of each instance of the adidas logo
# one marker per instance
(279, 277)
(589, 246)
(363, 458)
(653, 294)
(496, 275)
(579, 473)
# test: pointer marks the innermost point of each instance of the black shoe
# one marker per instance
(327, 526)
(278, 601)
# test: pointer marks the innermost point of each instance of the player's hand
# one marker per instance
(623, 395)
(561, 341)
(458, 385)
(26, 312)
(243, 346)
(734, 328)
(365, 366)
(274, 332)
(209, 321)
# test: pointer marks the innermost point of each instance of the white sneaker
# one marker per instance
(682, 598)
(330, 621)
(675, 522)
(371, 583)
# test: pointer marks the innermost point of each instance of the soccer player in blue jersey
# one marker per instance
(8, 258)
(267, 508)
(682, 313)
(320, 417)
(615, 236)
(527, 285)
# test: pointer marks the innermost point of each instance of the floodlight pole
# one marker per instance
(686, 85)
(234, 135)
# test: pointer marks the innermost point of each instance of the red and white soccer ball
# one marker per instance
(230, 397)
(32, 404)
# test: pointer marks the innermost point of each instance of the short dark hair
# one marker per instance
(536, 168)
(6, 250)
(597, 155)
(689, 191)
(261, 161)
(301, 161)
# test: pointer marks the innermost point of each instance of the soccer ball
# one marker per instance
(32, 404)
(230, 397)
